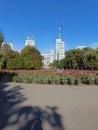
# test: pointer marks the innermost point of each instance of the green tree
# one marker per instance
(32, 57)
(57, 64)
(5, 48)
(15, 60)
(10, 59)
(91, 60)
(2, 64)
(15, 63)
(70, 61)
(96, 50)
(1, 39)
(54, 65)
(86, 58)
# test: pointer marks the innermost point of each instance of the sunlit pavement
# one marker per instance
(57, 107)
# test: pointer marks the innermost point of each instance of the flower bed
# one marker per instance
(69, 77)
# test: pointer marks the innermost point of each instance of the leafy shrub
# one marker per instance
(96, 79)
(22, 78)
(34, 78)
(46, 80)
(70, 80)
(63, 80)
(56, 79)
(77, 81)
(87, 79)
(17, 78)
(6, 76)
(40, 78)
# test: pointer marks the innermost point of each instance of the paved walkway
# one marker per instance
(48, 107)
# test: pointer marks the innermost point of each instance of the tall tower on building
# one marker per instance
(29, 42)
(59, 46)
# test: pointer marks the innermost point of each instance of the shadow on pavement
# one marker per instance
(9, 101)
(15, 117)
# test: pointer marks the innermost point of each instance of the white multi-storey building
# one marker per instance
(10, 44)
(52, 55)
(59, 48)
(29, 42)
(56, 54)
(46, 60)
(80, 47)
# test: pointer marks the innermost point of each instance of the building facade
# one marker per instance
(52, 55)
(10, 45)
(59, 49)
(80, 47)
(59, 46)
(29, 42)
(58, 53)
(46, 60)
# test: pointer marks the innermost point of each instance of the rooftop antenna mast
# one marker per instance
(59, 28)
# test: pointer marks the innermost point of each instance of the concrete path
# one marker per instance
(48, 107)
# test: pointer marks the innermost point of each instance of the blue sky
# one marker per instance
(40, 19)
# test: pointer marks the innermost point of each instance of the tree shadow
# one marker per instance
(32, 118)
(54, 118)
(6, 76)
(35, 117)
(10, 99)
(13, 116)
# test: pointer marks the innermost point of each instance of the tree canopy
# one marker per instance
(32, 57)
(5, 48)
(1, 39)
(87, 58)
